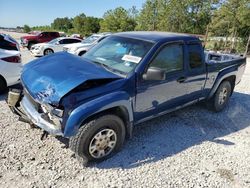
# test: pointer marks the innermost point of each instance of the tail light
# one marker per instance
(12, 59)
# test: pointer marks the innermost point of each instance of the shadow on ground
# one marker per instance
(173, 133)
(4, 95)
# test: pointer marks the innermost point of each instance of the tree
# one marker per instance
(78, 23)
(26, 28)
(186, 16)
(232, 20)
(62, 24)
(117, 20)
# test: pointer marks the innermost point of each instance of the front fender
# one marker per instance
(82, 112)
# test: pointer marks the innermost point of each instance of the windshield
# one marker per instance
(119, 53)
(53, 41)
(90, 39)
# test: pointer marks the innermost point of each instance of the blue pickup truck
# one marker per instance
(128, 78)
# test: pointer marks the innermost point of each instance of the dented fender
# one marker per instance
(105, 102)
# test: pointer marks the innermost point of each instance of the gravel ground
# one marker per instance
(192, 147)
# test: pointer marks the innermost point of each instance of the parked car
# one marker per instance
(126, 79)
(8, 43)
(30, 40)
(10, 62)
(53, 46)
(81, 48)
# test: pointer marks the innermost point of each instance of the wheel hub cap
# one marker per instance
(223, 96)
(102, 143)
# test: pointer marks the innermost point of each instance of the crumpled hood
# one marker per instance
(50, 78)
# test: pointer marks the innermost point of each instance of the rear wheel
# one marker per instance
(98, 139)
(48, 52)
(3, 85)
(221, 97)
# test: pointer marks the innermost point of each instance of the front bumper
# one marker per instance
(36, 52)
(24, 108)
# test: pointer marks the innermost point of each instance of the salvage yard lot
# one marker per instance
(192, 147)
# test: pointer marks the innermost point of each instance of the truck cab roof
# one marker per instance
(155, 36)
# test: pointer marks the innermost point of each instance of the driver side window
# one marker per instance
(169, 59)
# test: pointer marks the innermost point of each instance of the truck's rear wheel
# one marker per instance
(221, 97)
(98, 139)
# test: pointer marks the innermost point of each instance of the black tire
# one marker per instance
(221, 97)
(3, 85)
(81, 53)
(48, 51)
(81, 142)
(30, 45)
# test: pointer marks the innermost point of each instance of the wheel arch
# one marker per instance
(121, 112)
(231, 77)
(117, 103)
(2, 78)
(48, 49)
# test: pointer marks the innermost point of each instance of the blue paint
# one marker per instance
(57, 79)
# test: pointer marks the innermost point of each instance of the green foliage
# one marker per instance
(228, 18)
(86, 25)
(26, 28)
(118, 20)
(42, 28)
(62, 24)
(186, 16)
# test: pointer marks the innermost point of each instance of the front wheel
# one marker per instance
(48, 52)
(98, 139)
(221, 97)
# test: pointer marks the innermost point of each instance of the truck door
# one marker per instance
(196, 71)
(157, 96)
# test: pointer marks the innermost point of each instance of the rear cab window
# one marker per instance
(195, 56)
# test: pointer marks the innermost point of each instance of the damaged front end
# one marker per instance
(30, 111)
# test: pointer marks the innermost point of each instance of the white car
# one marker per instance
(10, 68)
(53, 46)
(80, 48)
(10, 62)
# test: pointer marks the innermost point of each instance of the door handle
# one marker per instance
(181, 79)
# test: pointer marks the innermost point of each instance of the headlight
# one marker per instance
(37, 47)
(73, 49)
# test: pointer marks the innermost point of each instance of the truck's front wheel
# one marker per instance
(221, 96)
(98, 139)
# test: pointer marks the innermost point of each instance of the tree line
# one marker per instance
(227, 18)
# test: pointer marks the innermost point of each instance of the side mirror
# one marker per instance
(154, 73)
(57, 43)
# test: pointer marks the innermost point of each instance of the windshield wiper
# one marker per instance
(109, 68)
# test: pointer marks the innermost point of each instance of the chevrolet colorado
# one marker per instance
(128, 78)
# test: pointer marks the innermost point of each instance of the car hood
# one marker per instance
(40, 44)
(50, 78)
